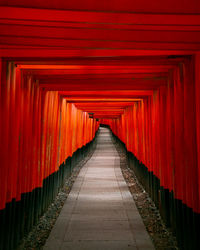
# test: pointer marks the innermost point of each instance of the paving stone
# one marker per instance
(99, 245)
(118, 234)
(100, 225)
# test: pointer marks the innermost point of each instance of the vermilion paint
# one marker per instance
(35, 135)
(134, 65)
(161, 132)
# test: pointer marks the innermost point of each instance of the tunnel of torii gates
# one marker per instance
(68, 66)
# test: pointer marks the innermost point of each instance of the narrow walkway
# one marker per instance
(99, 213)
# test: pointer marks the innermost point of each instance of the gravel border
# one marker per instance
(161, 236)
(36, 238)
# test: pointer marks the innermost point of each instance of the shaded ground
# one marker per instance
(161, 236)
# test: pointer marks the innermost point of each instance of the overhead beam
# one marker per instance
(105, 17)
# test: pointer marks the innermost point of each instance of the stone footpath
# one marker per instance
(99, 212)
